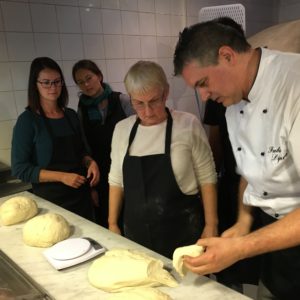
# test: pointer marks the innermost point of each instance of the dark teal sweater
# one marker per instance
(32, 145)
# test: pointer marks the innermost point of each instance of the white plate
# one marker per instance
(69, 249)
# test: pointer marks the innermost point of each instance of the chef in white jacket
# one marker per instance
(261, 90)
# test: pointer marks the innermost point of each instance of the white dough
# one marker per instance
(17, 209)
(192, 250)
(121, 269)
(146, 293)
(46, 230)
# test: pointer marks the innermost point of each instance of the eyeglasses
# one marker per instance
(47, 84)
(84, 82)
(140, 105)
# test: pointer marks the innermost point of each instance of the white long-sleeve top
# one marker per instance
(191, 156)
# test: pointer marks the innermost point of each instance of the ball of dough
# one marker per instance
(141, 294)
(17, 209)
(46, 230)
(192, 250)
(121, 269)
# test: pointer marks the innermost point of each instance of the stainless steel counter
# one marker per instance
(16, 284)
(10, 185)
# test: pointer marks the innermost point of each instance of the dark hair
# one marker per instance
(39, 64)
(88, 65)
(230, 22)
(202, 41)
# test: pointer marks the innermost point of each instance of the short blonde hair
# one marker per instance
(144, 76)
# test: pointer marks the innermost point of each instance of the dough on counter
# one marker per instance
(146, 293)
(192, 250)
(122, 269)
(17, 209)
(46, 230)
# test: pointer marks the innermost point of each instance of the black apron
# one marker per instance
(66, 157)
(99, 138)
(157, 214)
(246, 270)
(281, 269)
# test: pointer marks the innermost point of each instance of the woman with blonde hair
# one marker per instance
(162, 169)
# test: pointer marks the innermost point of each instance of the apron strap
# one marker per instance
(47, 124)
(69, 121)
(132, 133)
(168, 133)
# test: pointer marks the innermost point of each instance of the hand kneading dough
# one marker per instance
(17, 209)
(121, 269)
(193, 250)
(141, 294)
(46, 230)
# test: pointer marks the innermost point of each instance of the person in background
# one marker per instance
(161, 162)
(47, 146)
(99, 110)
(245, 271)
(261, 90)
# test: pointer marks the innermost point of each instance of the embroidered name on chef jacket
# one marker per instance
(276, 154)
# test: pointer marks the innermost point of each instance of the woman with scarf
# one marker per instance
(99, 110)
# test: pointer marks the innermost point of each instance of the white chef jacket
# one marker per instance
(265, 135)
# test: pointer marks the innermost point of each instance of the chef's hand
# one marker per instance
(73, 180)
(114, 228)
(220, 253)
(93, 173)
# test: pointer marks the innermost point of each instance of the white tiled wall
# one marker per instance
(114, 33)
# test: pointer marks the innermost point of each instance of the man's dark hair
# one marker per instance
(201, 42)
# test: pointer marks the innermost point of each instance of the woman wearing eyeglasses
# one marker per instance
(47, 146)
(161, 164)
(99, 110)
